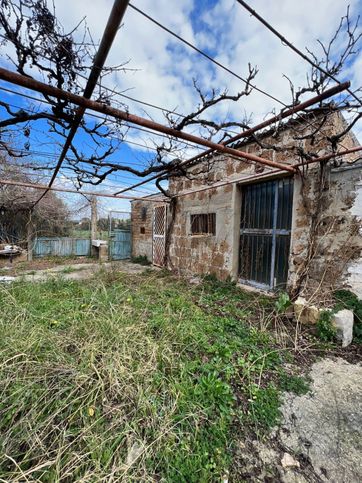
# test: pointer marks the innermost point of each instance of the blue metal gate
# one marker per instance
(120, 245)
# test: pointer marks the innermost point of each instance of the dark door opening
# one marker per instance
(266, 219)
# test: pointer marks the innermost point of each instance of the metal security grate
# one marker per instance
(203, 224)
(159, 235)
(265, 227)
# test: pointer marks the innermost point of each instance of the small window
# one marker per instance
(204, 224)
(142, 230)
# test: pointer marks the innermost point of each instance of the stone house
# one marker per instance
(261, 226)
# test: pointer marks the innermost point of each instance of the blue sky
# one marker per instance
(165, 68)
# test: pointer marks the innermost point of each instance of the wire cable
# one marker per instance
(98, 116)
(204, 54)
(287, 43)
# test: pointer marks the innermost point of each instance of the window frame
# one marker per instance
(206, 224)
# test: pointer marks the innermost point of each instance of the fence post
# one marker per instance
(94, 219)
(29, 236)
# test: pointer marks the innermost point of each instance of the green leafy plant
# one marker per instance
(68, 269)
(325, 329)
(283, 302)
(295, 384)
(264, 405)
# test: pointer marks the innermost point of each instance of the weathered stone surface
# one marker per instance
(343, 322)
(134, 452)
(305, 313)
(289, 462)
(103, 253)
(320, 435)
(325, 425)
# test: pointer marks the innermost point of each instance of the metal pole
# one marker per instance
(113, 24)
(267, 174)
(293, 110)
(94, 218)
(30, 236)
(126, 116)
(327, 157)
(88, 193)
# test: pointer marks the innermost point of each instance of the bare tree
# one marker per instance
(50, 217)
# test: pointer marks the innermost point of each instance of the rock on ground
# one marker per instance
(320, 435)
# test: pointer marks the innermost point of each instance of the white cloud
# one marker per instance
(167, 67)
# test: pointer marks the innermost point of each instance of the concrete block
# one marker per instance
(343, 322)
(98, 243)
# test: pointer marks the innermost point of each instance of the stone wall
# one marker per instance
(326, 239)
(326, 233)
(202, 254)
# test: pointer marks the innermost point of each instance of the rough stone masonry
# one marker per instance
(326, 232)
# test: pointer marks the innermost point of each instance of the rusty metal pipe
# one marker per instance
(125, 116)
(304, 105)
(268, 174)
(293, 110)
(69, 190)
(327, 157)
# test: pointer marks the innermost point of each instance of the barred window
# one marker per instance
(203, 224)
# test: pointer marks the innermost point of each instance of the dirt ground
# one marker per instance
(18, 266)
(78, 269)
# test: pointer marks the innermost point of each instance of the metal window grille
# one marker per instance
(204, 223)
(159, 235)
(265, 230)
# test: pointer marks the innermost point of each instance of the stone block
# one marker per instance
(305, 313)
(343, 322)
(103, 253)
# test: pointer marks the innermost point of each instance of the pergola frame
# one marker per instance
(43, 88)
(84, 102)
(79, 192)
(287, 113)
(109, 34)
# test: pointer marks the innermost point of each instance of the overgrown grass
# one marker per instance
(131, 378)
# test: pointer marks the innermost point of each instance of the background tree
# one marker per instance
(50, 217)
